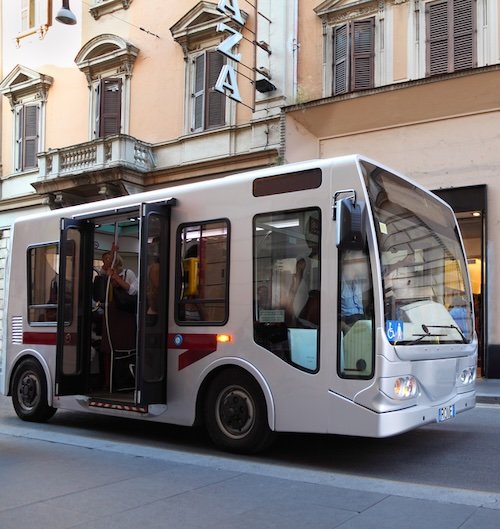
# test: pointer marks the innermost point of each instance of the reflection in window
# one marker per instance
(424, 272)
(43, 267)
(355, 316)
(287, 285)
(203, 269)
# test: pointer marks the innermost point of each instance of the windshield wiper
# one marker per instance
(451, 326)
(429, 334)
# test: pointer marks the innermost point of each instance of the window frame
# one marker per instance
(39, 18)
(102, 59)
(269, 333)
(23, 140)
(24, 87)
(103, 111)
(206, 93)
(451, 38)
(40, 308)
(354, 56)
(180, 273)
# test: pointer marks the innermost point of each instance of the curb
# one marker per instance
(487, 400)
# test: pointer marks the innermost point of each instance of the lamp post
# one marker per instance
(65, 15)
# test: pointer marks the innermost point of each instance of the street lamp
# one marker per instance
(65, 15)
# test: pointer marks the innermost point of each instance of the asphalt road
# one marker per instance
(463, 453)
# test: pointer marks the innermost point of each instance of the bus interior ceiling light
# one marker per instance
(65, 15)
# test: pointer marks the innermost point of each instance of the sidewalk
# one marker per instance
(53, 480)
(488, 390)
(63, 481)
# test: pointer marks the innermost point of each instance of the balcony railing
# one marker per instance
(97, 155)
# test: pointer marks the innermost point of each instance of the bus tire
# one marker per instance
(236, 413)
(29, 392)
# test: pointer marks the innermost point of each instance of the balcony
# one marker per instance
(97, 155)
(105, 167)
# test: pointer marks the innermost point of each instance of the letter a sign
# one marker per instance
(227, 81)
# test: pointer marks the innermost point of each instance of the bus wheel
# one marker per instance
(236, 413)
(29, 393)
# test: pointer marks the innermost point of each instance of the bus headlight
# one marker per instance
(467, 376)
(405, 387)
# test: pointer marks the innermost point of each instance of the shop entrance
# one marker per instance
(469, 204)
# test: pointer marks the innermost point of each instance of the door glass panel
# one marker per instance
(153, 367)
(69, 296)
(356, 344)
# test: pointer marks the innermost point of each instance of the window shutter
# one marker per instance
(340, 59)
(110, 107)
(199, 92)
(28, 13)
(216, 102)
(464, 34)
(30, 136)
(97, 105)
(363, 52)
(19, 138)
(438, 19)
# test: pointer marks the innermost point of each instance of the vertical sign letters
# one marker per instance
(227, 82)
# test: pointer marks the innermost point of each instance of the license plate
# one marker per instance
(446, 412)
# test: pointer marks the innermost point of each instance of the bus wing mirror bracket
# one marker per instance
(350, 215)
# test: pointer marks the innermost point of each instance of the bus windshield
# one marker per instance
(424, 273)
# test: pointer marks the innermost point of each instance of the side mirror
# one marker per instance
(351, 224)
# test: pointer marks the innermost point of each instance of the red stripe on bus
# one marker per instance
(197, 347)
(40, 338)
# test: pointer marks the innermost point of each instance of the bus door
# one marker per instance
(74, 306)
(151, 371)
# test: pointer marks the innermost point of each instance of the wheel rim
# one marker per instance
(235, 412)
(28, 391)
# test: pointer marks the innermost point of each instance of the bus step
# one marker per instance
(115, 405)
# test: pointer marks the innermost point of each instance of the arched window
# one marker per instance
(107, 61)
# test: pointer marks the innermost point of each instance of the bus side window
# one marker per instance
(43, 278)
(203, 260)
(286, 286)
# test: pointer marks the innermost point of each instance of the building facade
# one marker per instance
(124, 100)
(413, 84)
